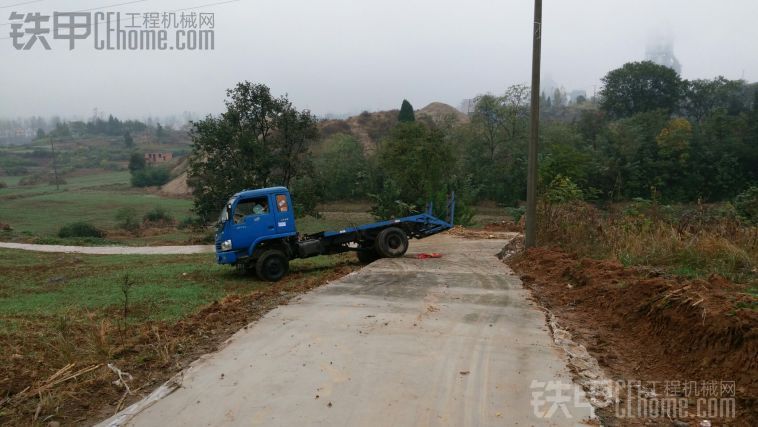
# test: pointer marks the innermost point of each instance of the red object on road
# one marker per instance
(425, 255)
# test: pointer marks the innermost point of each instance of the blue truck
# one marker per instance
(257, 232)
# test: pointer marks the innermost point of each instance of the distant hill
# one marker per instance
(370, 128)
(440, 112)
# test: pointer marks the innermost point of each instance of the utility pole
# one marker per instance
(531, 176)
(55, 166)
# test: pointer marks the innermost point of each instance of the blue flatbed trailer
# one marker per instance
(257, 232)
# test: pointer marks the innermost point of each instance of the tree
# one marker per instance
(258, 141)
(639, 87)
(295, 133)
(703, 97)
(159, 132)
(128, 140)
(559, 99)
(136, 162)
(406, 113)
(496, 143)
(417, 161)
(40, 133)
(342, 168)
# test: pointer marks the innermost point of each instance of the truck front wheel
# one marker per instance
(391, 242)
(272, 265)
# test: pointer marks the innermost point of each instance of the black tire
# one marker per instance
(391, 243)
(245, 268)
(272, 265)
(367, 255)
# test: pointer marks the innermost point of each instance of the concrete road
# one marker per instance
(112, 250)
(403, 342)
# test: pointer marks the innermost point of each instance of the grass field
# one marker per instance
(40, 211)
(63, 309)
(166, 287)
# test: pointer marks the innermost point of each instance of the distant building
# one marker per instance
(661, 51)
(158, 157)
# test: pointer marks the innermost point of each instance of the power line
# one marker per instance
(20, 4)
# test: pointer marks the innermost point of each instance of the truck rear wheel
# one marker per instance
(272, 265)
(391, 243)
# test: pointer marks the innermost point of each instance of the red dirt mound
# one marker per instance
(643, 325)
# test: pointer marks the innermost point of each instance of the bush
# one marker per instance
(515, 213)
(3, 185)
(746, 204)
(562, 189)
(56, 181)
(127, 219)
(158, 215)
(30, 180)
(695, 242)
(190, 222)
(151, 176)
(80, 229)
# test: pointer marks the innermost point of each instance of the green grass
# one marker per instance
(41, 210)
(168, 287)
(78, 183)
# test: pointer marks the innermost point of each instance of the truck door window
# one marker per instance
(248, 207)
(281, 203)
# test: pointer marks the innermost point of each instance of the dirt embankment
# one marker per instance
(647, 326)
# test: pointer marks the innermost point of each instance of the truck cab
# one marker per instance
(249, 219)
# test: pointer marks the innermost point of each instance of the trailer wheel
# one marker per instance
(391, 242)
(272, 265)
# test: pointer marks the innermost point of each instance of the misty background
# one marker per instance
(342, 57)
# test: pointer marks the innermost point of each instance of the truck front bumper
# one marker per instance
(229, 257)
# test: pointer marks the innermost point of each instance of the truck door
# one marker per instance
(285, 218)
(253, 218)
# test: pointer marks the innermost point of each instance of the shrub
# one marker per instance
(3, 185)
(688, 241)
(56, 181)
(190, 222)
(127, 219)
(30, 180)
(80, 229)
(562, 189)
(158, 215)
(151, 176)
(746, 204)
(515, 212)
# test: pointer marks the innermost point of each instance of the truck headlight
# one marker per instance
(226, 245)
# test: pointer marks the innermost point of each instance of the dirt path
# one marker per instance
(112, 250)
(448, 341)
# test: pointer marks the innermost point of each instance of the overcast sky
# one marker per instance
(335, 56)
